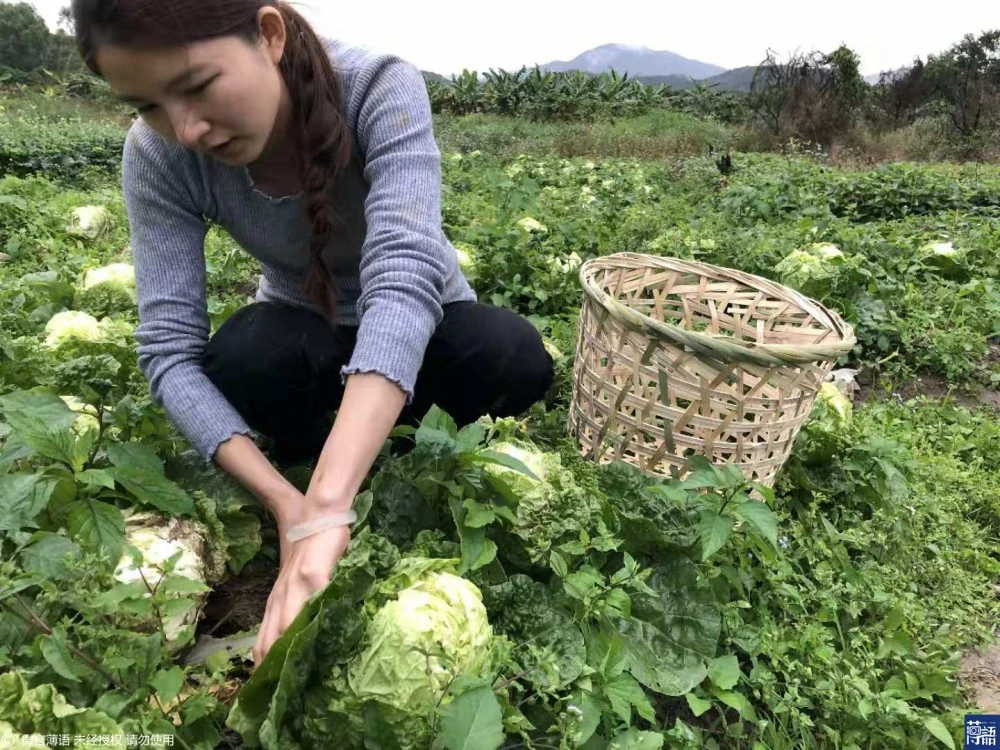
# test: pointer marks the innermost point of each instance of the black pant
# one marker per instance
(279, 366)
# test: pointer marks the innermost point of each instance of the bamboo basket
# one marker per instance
(677, 358)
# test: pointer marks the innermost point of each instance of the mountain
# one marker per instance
(737, 79)
(636, 61)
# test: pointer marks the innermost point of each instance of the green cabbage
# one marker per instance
(827, 430)
(420, 641)
(552, 507)
(107, 290)
(90, 222)
(44, 710)
(810, 270)
(72, 324)
(530, 225)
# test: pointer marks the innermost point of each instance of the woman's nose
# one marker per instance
(189, 126)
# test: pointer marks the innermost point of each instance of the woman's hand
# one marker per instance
(306, 567)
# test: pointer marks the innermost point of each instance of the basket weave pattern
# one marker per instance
(676, 358)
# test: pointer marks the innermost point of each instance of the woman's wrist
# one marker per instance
(324, 500)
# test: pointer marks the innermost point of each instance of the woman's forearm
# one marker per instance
(243, 460)
(368, 411)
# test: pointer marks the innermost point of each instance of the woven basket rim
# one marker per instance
(726, 348)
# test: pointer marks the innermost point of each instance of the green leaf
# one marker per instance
(738, 702)
(697, 705)
(558, 564)
(623, 692)
(41, 421)
(552, 650)
(725, 671)
(168, 683)
(477, 550)
(473, 721)
(758, 515)
(938, 729)
(135, 455)
(590, 715)
(178, 584)
(138, 469)
(57, 654)
(96, 478)
(97, 526)
(581, 583)
(470, 437)
(636, 739)
(46, 554)
(489, 456)
(865, 708)
(673, 635)
(606, 652)
(478, 515)
(715, 530)
(438, 433)
(22, 498)
(263, 698)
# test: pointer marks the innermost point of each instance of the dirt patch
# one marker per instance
(237, 604)
(979, 675)
(930, 386)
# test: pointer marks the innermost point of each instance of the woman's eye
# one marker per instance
(201, 87)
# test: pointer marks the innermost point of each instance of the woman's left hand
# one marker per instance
(308, 569)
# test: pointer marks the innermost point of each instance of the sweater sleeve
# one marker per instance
(168, 233)
(403, 259)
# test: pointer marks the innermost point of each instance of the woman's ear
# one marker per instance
(273, 36)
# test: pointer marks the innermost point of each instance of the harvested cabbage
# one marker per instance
(157, 539)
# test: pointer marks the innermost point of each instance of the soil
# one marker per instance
(979, 674)
(934, 387)
(238, 604)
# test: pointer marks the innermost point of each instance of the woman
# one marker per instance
(320, 160)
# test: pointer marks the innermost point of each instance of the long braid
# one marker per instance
(324, 141)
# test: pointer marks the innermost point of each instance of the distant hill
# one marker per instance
(636, 61)
(737, 79)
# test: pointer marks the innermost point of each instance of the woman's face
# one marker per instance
(222, 97)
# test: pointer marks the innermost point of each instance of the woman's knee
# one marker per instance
(488, 360)
(264, 340)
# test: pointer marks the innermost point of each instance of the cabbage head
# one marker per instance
(944, 259)
(90, 222)
(72, 325)
(828, 428)
(552, 507)
(107, 290)
(811, 270)
(530, 225)
(420, 641)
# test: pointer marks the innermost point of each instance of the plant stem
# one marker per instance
(38, 623)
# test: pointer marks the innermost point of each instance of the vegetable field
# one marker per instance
(499, 590)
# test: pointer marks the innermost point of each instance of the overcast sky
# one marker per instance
(446, 36)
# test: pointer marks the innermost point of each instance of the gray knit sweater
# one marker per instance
(393, 265)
